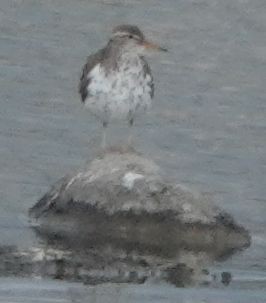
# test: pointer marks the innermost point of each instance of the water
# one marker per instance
(18, 291)
(207, 127)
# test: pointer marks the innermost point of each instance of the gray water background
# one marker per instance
(207, 128)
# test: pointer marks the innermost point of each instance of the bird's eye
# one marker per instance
(130, 36)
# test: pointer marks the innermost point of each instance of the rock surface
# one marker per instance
(118, 220)
(121, 198)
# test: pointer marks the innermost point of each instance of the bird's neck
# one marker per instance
(128, 56)
(115, 56)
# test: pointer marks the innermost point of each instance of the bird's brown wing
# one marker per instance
(147, 71)
(84, 82)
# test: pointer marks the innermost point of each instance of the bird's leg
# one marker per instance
(103, 145)
(130, 137)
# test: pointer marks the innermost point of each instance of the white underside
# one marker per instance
(120, 94)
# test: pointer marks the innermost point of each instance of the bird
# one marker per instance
(116, 82)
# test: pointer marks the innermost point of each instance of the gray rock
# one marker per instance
(121, 199)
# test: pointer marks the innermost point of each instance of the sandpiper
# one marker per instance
(116, 81)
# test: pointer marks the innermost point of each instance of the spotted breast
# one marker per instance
(116, 91)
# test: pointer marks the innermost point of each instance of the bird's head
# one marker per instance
(131, 39)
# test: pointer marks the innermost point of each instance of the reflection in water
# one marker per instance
(92, 258)
(103, 264)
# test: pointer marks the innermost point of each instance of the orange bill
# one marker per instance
(151, 45)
